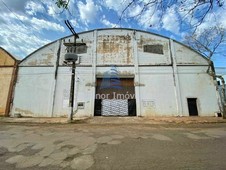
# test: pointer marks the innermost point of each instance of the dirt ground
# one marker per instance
(112, 146)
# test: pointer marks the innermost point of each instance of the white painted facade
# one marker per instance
(162, 82)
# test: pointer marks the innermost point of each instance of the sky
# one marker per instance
(26, 25)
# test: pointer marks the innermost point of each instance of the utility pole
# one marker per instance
(70, 58)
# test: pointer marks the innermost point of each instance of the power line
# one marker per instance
(12, 12)
(20, 20)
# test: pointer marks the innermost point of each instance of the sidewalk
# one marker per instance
(117, 120)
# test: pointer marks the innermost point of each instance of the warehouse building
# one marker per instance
(8, 71)
(120, 72)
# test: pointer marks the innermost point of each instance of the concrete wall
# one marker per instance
(163, 82)
(157, 93)
(151, 58)
(83, 92)
(34, 91)
(196, 83)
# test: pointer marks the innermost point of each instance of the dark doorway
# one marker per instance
(97, 111)
(192, 106)
(115, 97)
(132, 107)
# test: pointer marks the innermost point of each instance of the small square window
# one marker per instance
(81, 105)
(156, 49)
(80, 48)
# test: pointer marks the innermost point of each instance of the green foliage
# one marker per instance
(62, 3)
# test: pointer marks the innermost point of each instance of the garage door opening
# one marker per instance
(192, 106)
(115, 99)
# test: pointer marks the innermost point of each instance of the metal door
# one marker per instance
(115, 101)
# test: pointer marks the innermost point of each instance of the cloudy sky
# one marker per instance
(26, 25)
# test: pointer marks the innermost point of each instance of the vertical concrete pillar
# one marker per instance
(94, 65)
(57, 52)
(136, 73)
(176, 80)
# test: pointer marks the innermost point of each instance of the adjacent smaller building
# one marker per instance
(222, 92)
(8, 72)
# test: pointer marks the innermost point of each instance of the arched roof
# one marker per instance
(104, 29)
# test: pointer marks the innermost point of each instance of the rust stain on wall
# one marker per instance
(115, 48)
(45, 59)
(144, 41)
(32, 63)
(108, 44)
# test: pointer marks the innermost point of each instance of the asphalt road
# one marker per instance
(112, 147)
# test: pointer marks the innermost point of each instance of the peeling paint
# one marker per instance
(151, 41)
(45, 59)
(24, 112)
(115, 49)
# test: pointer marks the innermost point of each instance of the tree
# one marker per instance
(194, 11)
(62, 3)
(207, 41)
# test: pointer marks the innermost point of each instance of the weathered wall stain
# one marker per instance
(45, 59)
(115, 49)
(24, 112)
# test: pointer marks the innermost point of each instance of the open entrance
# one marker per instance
(192, 106)
(115, 97)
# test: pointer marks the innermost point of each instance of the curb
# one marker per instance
(116, 120)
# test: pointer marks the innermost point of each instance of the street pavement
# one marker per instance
(112, 146)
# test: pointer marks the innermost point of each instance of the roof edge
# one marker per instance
(9, 54)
